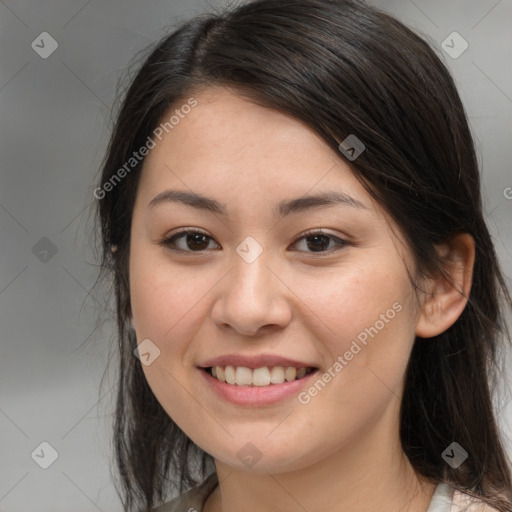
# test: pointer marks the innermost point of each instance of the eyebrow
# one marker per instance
(285, 207)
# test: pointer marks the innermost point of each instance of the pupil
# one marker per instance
(321, 245)
(196, 238)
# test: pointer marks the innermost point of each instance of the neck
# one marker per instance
(367, 474)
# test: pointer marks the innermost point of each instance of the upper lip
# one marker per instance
(254, 361)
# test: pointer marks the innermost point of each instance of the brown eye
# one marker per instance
(188, 241)
(320, 242)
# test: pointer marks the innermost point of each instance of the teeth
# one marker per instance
(261, 377)
(229, 372)
(290, 373)
(243, 376)
(277, 375)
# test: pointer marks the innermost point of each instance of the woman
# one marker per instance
(309, 304)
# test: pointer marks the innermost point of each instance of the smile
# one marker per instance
(259, 387)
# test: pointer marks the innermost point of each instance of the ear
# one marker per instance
(447, 297)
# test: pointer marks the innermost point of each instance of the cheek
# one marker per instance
(359, 301)
(165, 302)
(164, 298)
(366, 330)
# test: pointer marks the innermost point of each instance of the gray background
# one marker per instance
(55, 116)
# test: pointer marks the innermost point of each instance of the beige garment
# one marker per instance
(464, 503)
(444, 499)
(448, 499)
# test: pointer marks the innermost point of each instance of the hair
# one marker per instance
(341, 67)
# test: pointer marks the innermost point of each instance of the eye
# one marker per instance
(191, 241)
(320, 242)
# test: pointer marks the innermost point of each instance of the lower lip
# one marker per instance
(256, 395)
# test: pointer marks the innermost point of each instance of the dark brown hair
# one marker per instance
(343, 68)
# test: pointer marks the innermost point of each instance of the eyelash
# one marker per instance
(168, 242)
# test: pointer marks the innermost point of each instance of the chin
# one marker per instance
(259, 457)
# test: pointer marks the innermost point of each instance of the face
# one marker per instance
(261, 279)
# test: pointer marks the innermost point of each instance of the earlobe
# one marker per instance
(446, 297)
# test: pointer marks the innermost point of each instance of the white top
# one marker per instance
(441, 499)
(444, 499)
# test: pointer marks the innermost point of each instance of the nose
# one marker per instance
(252, 299)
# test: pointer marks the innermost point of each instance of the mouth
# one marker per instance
(256, 380)
(265, 376)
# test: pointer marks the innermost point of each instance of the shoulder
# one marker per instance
(193, 500)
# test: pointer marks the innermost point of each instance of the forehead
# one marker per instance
(227, 142)
(226, 126)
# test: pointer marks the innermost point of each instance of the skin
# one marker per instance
(341, 451)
